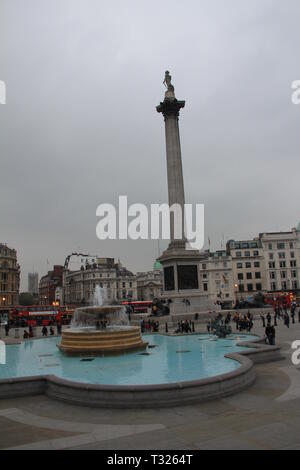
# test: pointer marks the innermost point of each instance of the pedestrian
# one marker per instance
(286, 319)
(269, 333)
(45, 331)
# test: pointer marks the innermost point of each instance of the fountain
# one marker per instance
(100, 329)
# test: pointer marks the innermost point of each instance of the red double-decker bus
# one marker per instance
(280, 299)
(40, 315)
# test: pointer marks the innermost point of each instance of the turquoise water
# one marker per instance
(172, 359)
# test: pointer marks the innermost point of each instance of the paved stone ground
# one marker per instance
(265, 416)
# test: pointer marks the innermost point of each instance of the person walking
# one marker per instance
(286, 319)
(269, 333)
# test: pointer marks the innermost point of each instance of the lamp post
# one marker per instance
(236, 293)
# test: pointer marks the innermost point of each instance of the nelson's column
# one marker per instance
(180, 265)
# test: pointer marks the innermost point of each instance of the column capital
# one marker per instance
(170, 107)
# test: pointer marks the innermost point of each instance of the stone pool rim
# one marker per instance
(152, 395)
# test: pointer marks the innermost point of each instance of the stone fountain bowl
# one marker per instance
(100, 311)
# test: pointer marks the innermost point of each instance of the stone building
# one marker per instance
(248, 268)
(216, 277)
(118, 282)
(149, 283)
(282, 260)
(49, 283)
(9, 278)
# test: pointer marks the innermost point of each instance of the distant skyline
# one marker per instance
(80, 127)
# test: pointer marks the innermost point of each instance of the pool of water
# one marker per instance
(167, 359)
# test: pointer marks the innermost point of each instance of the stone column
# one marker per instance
(170, 108)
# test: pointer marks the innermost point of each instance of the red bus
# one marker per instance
(139, 306)
(40, 315)
(280, 299)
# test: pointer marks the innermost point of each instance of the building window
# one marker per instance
(283, 274)
(241, 288)
(250, 287)
(270, 246)
(255, 253)
(273, 286)
(240, 276)
(247, 254)
(294, 274)
(293, 263)
(272, 265)
(205, 287)
(239, 265)
(238, 254)
(292, 254)
(249, 275)
(257, 275)
(257, 264)
(282, 264)
(271, 255)
(284, 285)
(295, 284)
(248, 265)
(204, 267)
(258, 287)
(281, 255)
(291, 245)
(280, 246)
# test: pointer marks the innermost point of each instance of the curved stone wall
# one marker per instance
(147, 396)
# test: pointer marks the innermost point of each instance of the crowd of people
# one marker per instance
(185, 326)
(281, 313)
(54, 328)
(149, 326)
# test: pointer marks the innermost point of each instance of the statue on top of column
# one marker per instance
(170, 88)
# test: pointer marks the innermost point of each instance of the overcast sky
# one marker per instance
(80, 127)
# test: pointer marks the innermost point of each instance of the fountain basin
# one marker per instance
(101, 330)
(111, 340)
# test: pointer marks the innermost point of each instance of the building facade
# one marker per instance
(216, 277)
(149, 283)
(282, 260)
(118, 282)
(248, 271)
(49, 283)
(9, 278)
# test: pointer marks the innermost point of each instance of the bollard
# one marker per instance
(167, 328)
